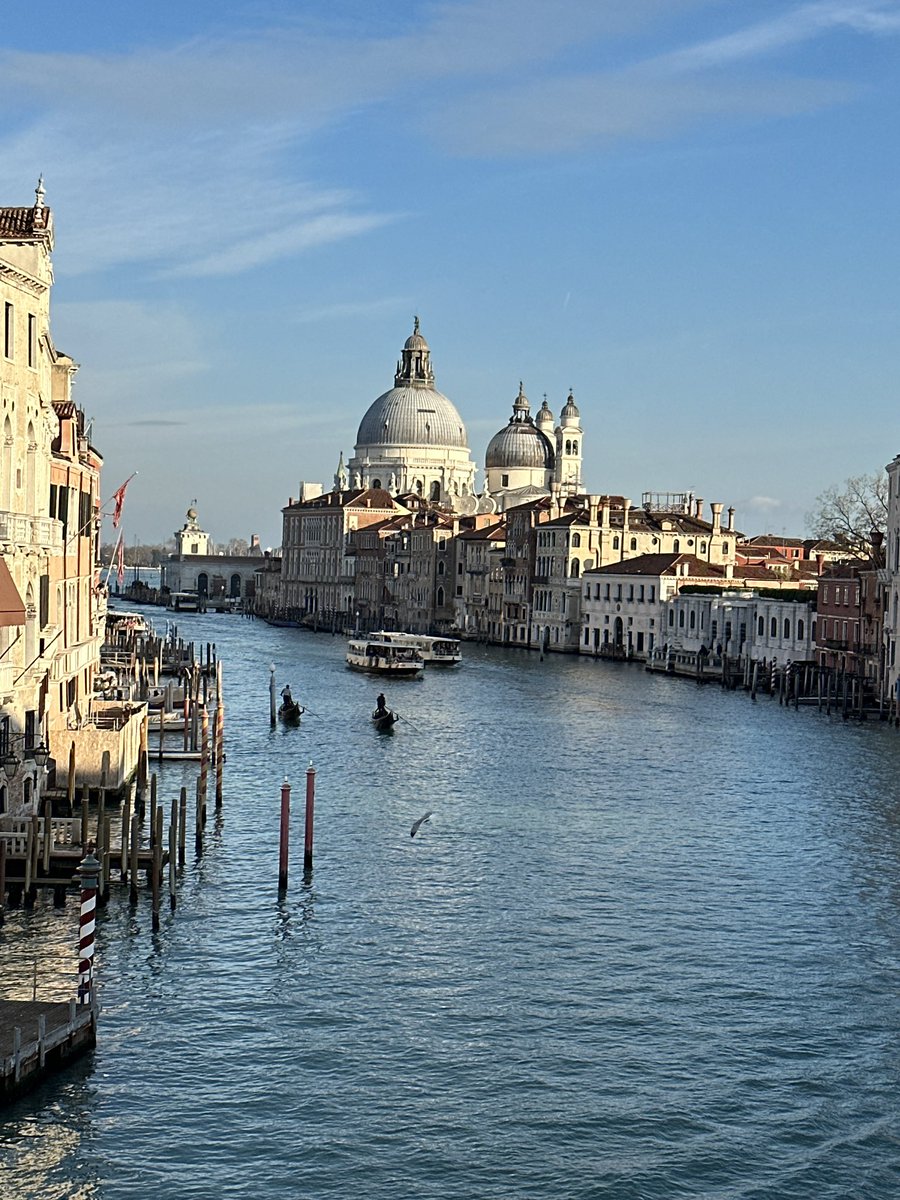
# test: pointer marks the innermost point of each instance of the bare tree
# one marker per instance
(850, 512)
(237, 546)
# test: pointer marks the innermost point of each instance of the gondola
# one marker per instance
(291, 712)
(384, 719)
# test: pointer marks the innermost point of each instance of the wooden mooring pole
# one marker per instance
(272, 709)
(308, 826)
(285, 836)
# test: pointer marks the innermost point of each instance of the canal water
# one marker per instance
(646, 946)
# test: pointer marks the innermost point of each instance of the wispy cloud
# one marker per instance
(800, 24)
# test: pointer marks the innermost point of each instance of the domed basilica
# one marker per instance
(412, 440)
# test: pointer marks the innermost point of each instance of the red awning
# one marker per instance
(12, 610)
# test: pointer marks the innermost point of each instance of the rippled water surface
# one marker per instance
(646, 946)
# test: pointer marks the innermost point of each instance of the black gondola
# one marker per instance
(291, 712)
(383, 719)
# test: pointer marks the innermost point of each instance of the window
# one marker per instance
(32, 340)
(800, 629)
(761, 626)
(676, 546)
(703, 547)
(441, 567)
(574, 568)
(693, 621)
(574, 447)
(606, 596)
(633, 544)
(640, 592)
(725, 548)
(787, 627)
(652, 592)
(615, 543)
(681, 618)
(504, 481)
(8, 329)
(773, 627)
(440, 597)
(576, 539)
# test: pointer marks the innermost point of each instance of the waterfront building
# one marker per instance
(624, 604)
(318, 565)
(267, 597)
(850, 625)
(52, 606)
(412, 439)
(890, 580)
(480, 548)
(784, 629)
(420, 569)
(196, 567)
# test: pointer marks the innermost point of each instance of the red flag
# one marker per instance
(119, 500)
(120, 568)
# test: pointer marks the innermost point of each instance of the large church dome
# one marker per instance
(520, 443)
(413, 412)
(412, 439)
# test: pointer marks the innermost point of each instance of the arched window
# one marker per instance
(440, 597)
(725, 548)
(615, 543)
(573, 571)
(681, 618)
(235, 588)
(800, 629)
(703, 547)
(676, 546)
(435, 491)
(202, 584)
(671, 616)
(773, 628)
(633, 544)
(6, 470)
(376, 483)
(574, 447)
(787, 627)
(28, 791)
(812, 631)
(576, 539)
(420, 487)
(761, 626)
(31, 488)
(3, 801)
(693, 619)
(441, 568)
(568, 447)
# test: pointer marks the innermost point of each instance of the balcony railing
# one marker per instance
(17, 529)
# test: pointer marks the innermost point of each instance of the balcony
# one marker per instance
(43, 533)
(836, 644)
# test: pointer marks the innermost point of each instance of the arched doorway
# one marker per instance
(235, 586)
(618, 632)
(202, 584)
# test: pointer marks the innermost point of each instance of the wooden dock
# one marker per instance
(37, 1038)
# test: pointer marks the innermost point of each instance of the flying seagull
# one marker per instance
(417, 824)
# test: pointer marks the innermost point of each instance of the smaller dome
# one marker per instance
(571, 408)
(520, 444)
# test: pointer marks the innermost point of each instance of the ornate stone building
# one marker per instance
(411, 438)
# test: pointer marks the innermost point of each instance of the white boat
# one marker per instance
(185, 602)
(383, 658)
(435, 650)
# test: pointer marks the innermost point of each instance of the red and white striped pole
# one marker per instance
(285, 831)
(90, 873)
(310, 806)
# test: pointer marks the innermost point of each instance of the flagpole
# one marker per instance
(112, 561)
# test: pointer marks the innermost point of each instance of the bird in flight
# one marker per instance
(418, 824)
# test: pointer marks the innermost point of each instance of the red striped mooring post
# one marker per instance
(285, 830)
(90, 872)
(310, 806)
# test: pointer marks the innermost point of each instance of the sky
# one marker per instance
(683, 210)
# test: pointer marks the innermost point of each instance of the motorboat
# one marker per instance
(435, 650)
(375, 655)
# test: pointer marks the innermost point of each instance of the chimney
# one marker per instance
(731, 520)
(626, 505)
(729, 570)
(254, 541)
(820, 563)
(716, 517)
(555, 508)
(593, 505)
(698, 509)
(604, 521)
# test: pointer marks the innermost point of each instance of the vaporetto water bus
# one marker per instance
(435, 651)
(382, 657)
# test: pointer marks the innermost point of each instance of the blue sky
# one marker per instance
(685, 210)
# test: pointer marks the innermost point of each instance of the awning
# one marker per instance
(12, 610)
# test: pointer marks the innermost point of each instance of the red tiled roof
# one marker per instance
(18, 224)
